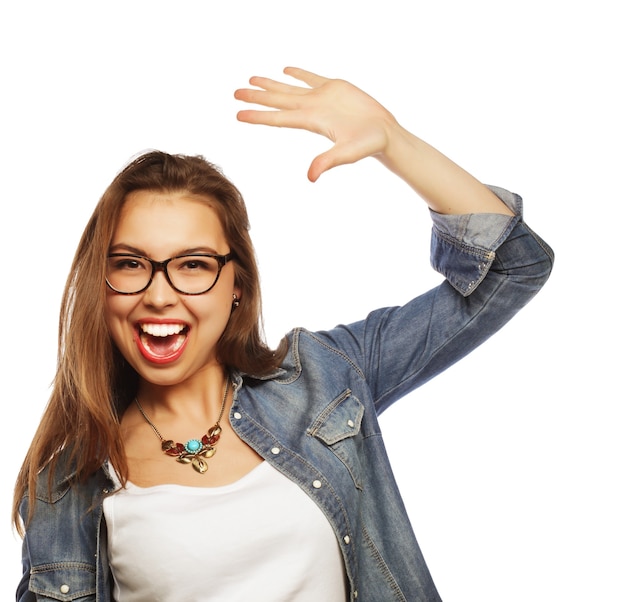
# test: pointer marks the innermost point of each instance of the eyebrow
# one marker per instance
(123, 247)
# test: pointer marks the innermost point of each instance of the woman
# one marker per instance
(180, 458)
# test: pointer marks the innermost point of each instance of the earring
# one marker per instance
(235, 301)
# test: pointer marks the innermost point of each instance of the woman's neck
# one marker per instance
(198, 398)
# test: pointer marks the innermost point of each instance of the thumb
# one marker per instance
(320, 164)
(337, 155)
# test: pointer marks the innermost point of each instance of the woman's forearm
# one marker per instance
(446, 187)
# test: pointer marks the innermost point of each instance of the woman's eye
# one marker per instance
(196, 265)
(192, 265)
(128, 264)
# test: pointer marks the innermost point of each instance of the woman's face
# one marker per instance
(169, 337)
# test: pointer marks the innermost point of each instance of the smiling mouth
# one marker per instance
(161, 343)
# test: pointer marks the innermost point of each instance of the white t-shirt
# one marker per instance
(261, 538)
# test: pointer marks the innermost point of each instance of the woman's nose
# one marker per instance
(160, 293)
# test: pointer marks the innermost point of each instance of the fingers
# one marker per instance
(308, 77)
(274, 118)
(288, 100)
(296, 107)
(295, 119)
(272, 93)
(272, 85)
(311, 79)
(276, 100)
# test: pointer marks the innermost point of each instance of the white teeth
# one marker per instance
(161, 330)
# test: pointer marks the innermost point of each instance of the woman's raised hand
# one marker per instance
(361, 127)
(357, 124)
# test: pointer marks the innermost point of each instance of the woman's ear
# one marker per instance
(236, 297)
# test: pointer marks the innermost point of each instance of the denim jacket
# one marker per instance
(315, 419)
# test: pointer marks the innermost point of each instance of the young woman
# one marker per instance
(180, 458)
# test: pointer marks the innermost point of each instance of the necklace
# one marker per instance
(195, 451)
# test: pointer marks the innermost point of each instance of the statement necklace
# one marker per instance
(195, 451)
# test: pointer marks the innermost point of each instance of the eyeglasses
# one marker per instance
(187, 274)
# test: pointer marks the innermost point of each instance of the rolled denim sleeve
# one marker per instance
(463, 246)
(493, 265)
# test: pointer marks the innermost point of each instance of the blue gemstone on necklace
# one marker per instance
(192, 446)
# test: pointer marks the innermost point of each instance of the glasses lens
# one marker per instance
(127, 273)
(193, 273)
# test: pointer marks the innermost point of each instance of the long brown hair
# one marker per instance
(93, 382)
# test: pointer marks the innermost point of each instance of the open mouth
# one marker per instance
(161, 343)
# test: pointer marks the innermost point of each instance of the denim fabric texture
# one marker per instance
(316, 419)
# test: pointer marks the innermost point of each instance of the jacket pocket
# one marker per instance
(339, 426)
(65, 581)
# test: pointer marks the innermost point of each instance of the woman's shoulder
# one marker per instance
(317, 355)
(59, 477)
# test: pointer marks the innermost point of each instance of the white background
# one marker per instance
(511, 463)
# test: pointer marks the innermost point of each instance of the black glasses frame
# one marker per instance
(161, 266)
